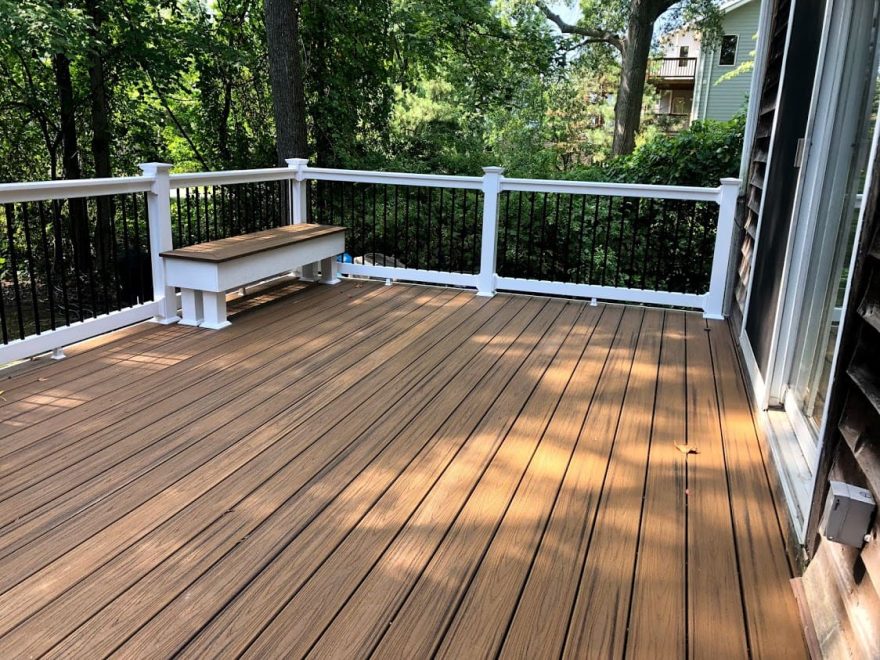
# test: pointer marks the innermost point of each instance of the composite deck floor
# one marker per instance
(398, 471)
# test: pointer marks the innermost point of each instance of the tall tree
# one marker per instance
(628, 27)
(286, 77)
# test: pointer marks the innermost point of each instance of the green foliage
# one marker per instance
(699, 156)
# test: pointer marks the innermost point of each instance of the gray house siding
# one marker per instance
(723, 100)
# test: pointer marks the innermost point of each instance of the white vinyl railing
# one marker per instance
(159, 185)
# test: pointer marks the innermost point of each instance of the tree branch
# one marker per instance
(593, 34)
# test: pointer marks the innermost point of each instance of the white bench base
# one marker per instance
(203, 284)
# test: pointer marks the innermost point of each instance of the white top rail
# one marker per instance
(394, 178)
(230, 177)
(39, 191)
(612, 189)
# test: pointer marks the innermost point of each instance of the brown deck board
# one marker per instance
(715, 607)
(398, 470)
(226, 249)
(659, 584)
(598, 622)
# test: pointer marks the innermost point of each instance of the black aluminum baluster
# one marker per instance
(126, 252)
(543, 242)
(428, 230)
(407, 241)
(75, 268)
(114, 252)
(464, 209)
(25, 218)
(630, 272)
(662, 235)
(397, 253)
(580, 252)
(566, 251)
(59, 257)
(13, 262)
(530, 272)
(451, 256)
(202, 237)
(4, 327)
(476, 235)
(517, 254)
(607, 243)
(180, 242)
(648, 227)
(384, 242)
(137, 242)
(593, 230)
(213, 209)
(418, 223)
(440, 234)
(100, 259)
(189, 227)
(624, 212)
(50, 280)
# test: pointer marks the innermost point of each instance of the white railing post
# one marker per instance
(298, 209)
(159, 213)
(492, 177)
(727, 194)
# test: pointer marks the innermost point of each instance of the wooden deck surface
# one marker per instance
(397, 471)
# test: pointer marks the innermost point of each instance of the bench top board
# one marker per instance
(234, 247)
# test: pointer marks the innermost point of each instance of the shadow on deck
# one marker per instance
(393, 470)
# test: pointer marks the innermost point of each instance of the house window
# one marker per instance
(682, 55)
(728, 50)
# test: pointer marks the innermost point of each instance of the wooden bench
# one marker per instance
(205, 272)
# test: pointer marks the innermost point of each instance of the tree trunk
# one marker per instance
(101, 136)
(637, 48)
(70, 162)
(286, 78)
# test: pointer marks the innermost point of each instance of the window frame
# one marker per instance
(735, 38)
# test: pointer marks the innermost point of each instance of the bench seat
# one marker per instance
(204, 272)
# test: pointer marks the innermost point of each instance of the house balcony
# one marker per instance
(672, 72)
(564, 465)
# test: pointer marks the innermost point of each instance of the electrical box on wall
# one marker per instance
(847, 515)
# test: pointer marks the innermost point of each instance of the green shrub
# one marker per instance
(699, 156)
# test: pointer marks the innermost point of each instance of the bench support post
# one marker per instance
(328, 271)
(214, 310)
(193, 310)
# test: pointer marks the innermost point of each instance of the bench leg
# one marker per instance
(328, 271)
(308, 273)
(193, 311)
(215, 310)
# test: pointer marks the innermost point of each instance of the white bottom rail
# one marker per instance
(544, 287)
(76, 332)
(409, 274)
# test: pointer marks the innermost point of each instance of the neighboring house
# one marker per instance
(715, 98)
(807, 293)
(672, 75)
(688, 79)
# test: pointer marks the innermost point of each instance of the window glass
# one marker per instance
(728, 50)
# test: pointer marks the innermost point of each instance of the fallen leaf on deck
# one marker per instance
(687, 449)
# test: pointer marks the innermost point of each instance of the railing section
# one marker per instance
(79, 258)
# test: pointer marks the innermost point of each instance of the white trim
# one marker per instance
(744, 339)
(76, 332)
(736, 36)
(765, 23)
(613, 189)
(38, 191)
(230, 177)
(618, 294)
(409, 275)
(395, 178)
